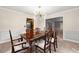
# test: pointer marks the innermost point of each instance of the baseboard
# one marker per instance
(72, 40)
(3, 41)
(6, 40)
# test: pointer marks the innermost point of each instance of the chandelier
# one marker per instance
(39, 12)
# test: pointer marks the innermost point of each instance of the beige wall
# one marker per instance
(70, 23)
(10, 19)
(14, 20)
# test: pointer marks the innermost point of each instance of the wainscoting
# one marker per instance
(4, 35)
(72, 36)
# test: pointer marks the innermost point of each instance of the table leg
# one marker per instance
(30, 49)
(21, 38)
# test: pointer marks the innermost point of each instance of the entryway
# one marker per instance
(56, 23)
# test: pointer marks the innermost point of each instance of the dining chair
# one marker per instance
(53, 35)
(43, 44)
(54, 38)
(15, 45)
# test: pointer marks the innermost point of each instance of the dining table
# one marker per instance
(34, 38)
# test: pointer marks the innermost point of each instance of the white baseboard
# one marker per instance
(3, 41)
(72, 40)
(7, 40)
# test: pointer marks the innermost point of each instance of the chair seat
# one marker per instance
(52, 40)
(18, 43)
(19, 47)
(26, 45)
(41, 44)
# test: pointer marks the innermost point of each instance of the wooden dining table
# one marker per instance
(35, 37)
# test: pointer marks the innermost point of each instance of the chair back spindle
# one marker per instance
(11, 41)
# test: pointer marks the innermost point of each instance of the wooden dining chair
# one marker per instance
(15, 45)
(55, 39)
(43, 44)
(53, 35)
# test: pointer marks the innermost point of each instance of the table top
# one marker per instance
(35, 36)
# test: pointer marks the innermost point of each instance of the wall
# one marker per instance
(70, 23)
(14, 20)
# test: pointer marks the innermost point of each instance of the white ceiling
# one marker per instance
(44, 9)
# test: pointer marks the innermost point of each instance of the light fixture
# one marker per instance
(38, 11)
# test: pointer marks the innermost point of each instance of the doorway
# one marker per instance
(56, 23)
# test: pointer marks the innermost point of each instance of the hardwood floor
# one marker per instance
(67, 47)
(63, 47)
(4, 47)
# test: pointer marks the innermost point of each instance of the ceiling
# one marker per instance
(44, 9)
